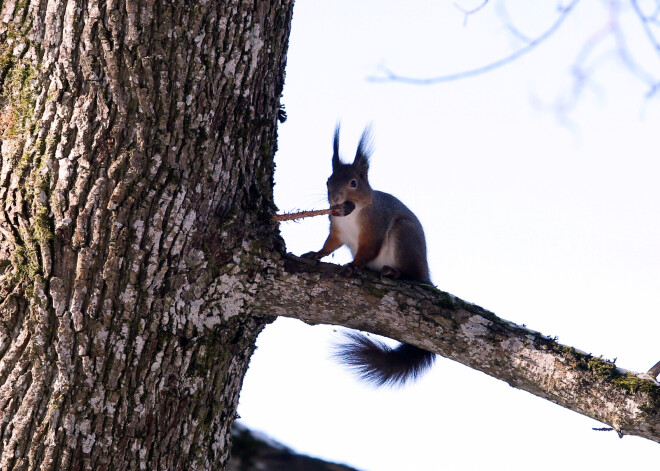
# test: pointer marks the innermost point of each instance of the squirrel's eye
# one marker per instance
(353, 184)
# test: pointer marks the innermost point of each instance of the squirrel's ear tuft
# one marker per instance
(364, 151)
(335, 149)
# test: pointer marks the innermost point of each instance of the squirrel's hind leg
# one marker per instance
(410, 250)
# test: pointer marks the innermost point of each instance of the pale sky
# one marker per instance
(548, 221)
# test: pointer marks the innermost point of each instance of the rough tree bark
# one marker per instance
(136, 193)
(138, 261)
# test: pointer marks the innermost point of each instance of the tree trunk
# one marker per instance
(136, 191)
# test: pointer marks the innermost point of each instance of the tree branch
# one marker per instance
(467, 12)
(389, 76)
(439, 322)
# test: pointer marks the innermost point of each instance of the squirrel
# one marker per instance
(383, 235)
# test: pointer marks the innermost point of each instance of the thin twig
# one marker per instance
(508, 23)
(392, 77)
(646, 21)
(469, 12)
(646, 25)
(300, 214)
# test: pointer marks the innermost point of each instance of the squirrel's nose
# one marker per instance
(335, 198)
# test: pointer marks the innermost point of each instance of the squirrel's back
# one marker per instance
(404, 245)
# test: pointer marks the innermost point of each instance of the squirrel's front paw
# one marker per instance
(311, 256)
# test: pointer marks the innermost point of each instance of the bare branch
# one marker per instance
(647, 21)
(390, 76)
(439, 322)
(591, 57)
(503, 12)
(467, 13)
(583, 70)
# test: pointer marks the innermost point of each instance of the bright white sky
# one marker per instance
(545, 223)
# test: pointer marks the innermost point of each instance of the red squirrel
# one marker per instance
(383, 235)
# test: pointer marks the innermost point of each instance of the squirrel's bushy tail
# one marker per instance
(379, 364)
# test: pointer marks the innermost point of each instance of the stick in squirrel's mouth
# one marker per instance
(343, 209)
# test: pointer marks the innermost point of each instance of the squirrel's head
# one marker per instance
(349, 183)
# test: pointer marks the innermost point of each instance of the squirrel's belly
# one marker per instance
(386, 256)
(348, 229)
(349, 234)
